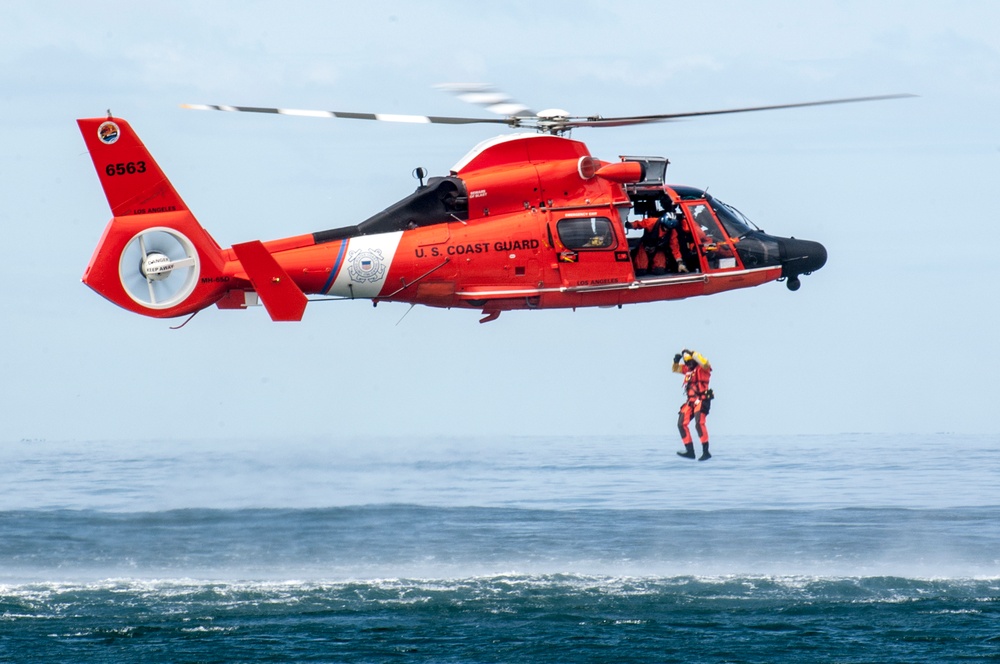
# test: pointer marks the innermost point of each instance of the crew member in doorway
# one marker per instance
(660, 235)
(697, 372)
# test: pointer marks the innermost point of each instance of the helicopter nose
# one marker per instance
(800, 257)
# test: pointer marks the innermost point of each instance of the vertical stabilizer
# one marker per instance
(131, 178)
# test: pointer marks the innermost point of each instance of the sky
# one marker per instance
(897, 334)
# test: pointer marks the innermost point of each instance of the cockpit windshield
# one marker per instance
(735, 222)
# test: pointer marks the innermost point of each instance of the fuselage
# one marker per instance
(531, 221)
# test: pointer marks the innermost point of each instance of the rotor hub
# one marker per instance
(156, 266)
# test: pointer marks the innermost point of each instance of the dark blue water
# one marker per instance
(824, 549)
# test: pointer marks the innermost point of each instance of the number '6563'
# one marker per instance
(126, 168)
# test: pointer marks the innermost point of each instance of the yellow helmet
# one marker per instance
(696, 356)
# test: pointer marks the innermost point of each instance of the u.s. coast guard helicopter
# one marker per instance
(523, 221)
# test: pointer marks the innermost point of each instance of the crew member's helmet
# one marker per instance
(669, 220)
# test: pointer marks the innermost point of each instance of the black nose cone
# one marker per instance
(801, 257)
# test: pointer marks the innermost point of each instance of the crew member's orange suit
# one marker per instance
(697, 373)
(660, 239)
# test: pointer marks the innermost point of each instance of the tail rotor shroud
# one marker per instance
(159, 268)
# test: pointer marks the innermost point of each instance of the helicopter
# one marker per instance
(527, 220)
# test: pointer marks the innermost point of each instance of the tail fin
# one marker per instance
(154, 258)
(132, 180)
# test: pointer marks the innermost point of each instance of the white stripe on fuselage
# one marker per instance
(365, 265)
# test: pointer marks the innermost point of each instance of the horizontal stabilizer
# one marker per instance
(282, 298)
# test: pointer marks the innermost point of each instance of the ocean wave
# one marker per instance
(536, 617)
(886, 588)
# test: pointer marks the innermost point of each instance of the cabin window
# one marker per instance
(586, 233)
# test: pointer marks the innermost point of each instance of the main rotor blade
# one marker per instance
(383, 117)
(598, 121)
(487, 96)
(552, 125)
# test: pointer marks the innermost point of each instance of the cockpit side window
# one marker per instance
(732, 219)
(711, 241)
(586, 233)
(704, 220)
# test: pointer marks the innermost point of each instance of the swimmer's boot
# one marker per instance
(688, 452)
(704, 452)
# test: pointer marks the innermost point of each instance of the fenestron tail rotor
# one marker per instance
(159, 268)
(515, 114)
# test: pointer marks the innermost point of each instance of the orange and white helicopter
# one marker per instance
(524, 221)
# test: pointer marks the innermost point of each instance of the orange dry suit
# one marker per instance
(655, 240)
(697, 372)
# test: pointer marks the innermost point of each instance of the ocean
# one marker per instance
(833, 548)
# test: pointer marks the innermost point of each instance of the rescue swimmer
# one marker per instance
(697, 372)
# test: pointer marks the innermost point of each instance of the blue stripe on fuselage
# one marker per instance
(336, 266)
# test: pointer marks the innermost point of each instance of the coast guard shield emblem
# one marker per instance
(366, 265)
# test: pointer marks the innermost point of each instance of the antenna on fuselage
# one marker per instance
(420, 173)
